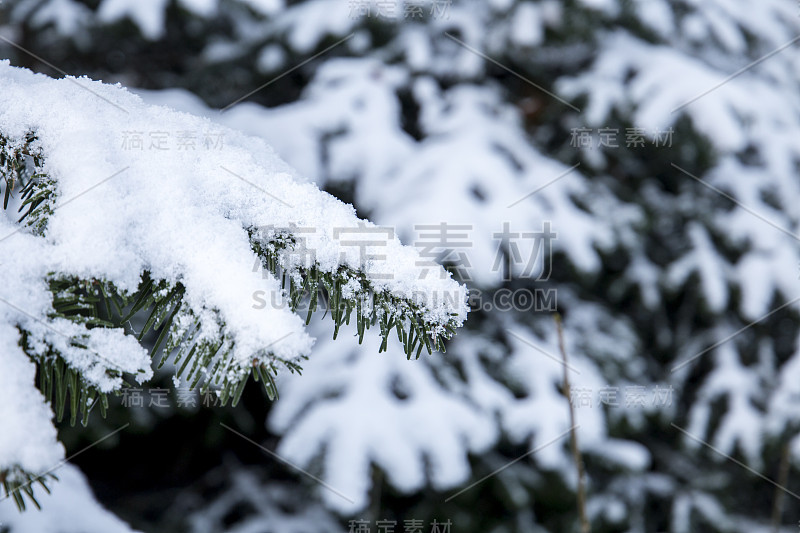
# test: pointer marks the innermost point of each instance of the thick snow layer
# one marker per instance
(179, 211)
(28, 437)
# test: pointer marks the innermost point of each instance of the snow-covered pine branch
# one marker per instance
(118, 239)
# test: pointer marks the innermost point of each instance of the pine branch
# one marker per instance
(200, 349)
(372, 306)
(21, 172)
(17, 484)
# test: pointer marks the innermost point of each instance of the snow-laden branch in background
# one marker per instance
(139, 218)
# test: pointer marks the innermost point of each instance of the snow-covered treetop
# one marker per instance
(130, 208)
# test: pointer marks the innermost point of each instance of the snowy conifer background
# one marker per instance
(633, 165)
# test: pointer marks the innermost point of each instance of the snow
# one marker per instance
(356, 410)
(527, 29)
(627, 454)
(70, 508)
(67, 15)
(657, 14)
(310, 21)
(418, 421)
(28, 437)
(608, 6)
(182, 215)
(743, 423)
(536, 368)
(149, 15)
(469, 132)
(265, 7)
(755, 110)
(278, 506)
(703, 260)
(472, 136)
(271, 58)
(340, 417)
(205, 8)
